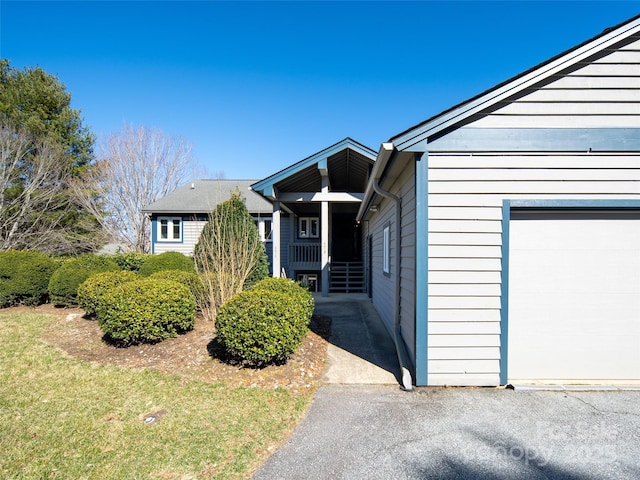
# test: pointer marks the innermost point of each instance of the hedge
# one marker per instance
(24, 277)
(166, 261)
(64, 283)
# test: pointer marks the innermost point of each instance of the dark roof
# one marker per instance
(202, 196)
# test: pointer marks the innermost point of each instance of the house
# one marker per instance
(316, 238)
(177, 218)
(503, 235)
(499, 240)
(306, 215)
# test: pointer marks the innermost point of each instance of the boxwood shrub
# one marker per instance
(166, 261)
(24, 277)
(130, 261)
(288, 286)
(146, 311)
(190, 279)
(92, 290)
(259, 327)
(64, 283)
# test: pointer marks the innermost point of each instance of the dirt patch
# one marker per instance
(191, 355)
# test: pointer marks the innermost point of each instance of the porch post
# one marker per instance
(324, 232)
(324, 247)
(275, 239)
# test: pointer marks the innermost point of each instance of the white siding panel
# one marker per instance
(537, 188)
(464, 238)
(464, 213)
(464, 353)
(464, 302)
(534, 174)
(464, 251)
(462, 277)
(558, 121)
(460, 340)
(466, 264)
(461, 289)
(464, 328)
(465, 226)
(453, 315)
(514, 162)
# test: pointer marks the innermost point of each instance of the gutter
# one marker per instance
(387, 151)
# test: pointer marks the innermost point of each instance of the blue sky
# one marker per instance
(258, 85)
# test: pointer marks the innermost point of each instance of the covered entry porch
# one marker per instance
(315, 236)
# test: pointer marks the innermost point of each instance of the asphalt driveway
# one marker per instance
(381, 432)
(363, 426)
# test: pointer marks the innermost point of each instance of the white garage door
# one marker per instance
(574, 297)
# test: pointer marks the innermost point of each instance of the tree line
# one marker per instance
(61, 191)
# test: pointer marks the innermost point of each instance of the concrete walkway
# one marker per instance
(361, 351)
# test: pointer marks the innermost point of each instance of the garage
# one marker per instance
(574, 296)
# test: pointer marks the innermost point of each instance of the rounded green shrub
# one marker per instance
(92, 290)
(166, 261)
(288, 286)
(260, 327)
(130, 261)
(64, 283)
(146, 311)
(24, 277)
(190, 279)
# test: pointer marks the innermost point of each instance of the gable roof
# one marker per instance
(266, 186)
(457, 114)
(202, 196)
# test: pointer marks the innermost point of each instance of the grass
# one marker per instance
(65, 418)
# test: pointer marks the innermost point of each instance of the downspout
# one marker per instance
(407, 381)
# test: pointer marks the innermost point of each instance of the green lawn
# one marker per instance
(65, 418)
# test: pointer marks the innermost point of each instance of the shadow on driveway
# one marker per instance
(361, 351)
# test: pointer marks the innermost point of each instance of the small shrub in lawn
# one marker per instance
(24, 277)
(146, 311)
(260, 327)
(92, 290)
(64, 283)
(130, 261)
(166, 261)
(190, 279)
(288, 286)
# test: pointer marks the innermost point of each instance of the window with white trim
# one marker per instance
(265, 228)
(386, 250)
(169, 229)
(308, 227)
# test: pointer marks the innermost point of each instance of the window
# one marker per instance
(265, 228)
(386, 251)
(170, 229)
(308, 227)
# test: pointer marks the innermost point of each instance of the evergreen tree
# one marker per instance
(36, 109)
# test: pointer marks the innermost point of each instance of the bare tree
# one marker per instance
(137, 166)
(34, 202)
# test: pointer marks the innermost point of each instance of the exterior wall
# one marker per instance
(191, 229)
(467, 186)
(383, 286)
(465, 236)
(190, 234)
